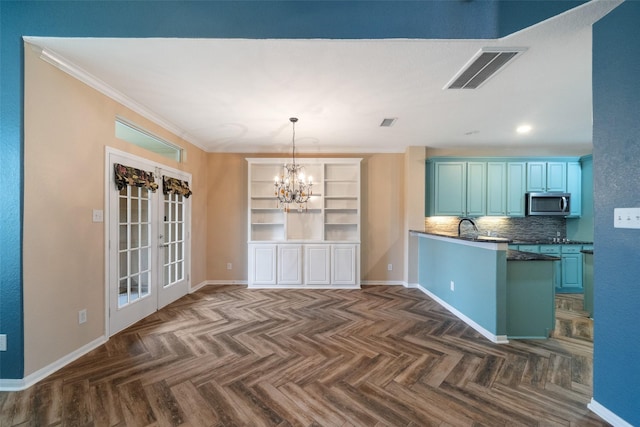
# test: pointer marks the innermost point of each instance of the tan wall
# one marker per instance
(67, 127)
(227, 217)
(383, 233)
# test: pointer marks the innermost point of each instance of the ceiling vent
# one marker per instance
(483, 66)
(388, 122)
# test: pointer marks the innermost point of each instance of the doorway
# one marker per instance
(148, 238)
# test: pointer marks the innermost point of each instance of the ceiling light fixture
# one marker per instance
(522, 129)
(291, 187)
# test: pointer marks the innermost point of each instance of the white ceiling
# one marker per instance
(236, 95)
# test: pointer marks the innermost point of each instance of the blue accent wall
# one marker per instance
(229, 19)
(616, 176)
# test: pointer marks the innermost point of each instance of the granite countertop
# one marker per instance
(548, 242)
(513, 255)
(483, 239)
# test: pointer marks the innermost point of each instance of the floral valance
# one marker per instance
(175, 186)
(127, 175)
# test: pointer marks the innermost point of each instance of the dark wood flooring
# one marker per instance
(380, 356)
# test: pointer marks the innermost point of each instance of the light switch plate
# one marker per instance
(626, 218)
(3, 342)
(98, 215)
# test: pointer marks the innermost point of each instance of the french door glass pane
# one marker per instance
(173, 239)
(134, 245)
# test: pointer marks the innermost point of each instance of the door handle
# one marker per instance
(563, 204)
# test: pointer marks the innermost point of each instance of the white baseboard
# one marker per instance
(304, 287)
(31, 379)
(498, 339)
(606, 414)
(383, 283)
(216, 283)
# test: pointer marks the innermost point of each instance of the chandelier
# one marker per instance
(291, 187)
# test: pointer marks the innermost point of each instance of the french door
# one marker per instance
(149, 257)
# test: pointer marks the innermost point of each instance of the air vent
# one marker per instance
(388, 122)
(483, 66)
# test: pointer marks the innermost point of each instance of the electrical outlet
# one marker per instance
(452, 286)
(390, 267)
(229, 266)
(82, 316)
(3, 342)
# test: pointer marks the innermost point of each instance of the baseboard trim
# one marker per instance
(328, 287)
(32, 379)
(607, 415)
(498, 339)
(383, 283)
(217, 283)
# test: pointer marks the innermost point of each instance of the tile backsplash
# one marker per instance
(528, 228)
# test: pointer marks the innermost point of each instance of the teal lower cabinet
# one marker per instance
(567, 276)
(571, 270)
(530, 299)
(587, 282)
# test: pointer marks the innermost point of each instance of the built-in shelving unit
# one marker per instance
(341, 202)
(326, 231)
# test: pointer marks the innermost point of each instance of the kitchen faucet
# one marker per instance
(467, 219)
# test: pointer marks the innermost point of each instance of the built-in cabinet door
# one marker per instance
(262, 264)
(317, 264)
(574, 187)
(546, 177)
(289, 264)
(343, 264)
(450, 193)
(476, 189)
(571, 272)
(537, 177)
(516, 188)
(496, 189)
(556, 177)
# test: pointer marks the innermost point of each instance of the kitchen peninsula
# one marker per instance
(502, 294)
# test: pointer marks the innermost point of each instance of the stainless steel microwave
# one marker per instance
(548, 204)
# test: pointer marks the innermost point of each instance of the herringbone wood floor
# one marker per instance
(380, 356)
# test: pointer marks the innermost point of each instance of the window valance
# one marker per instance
(127, 175)
(175, 186)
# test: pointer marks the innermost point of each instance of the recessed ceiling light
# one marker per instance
(523, 129)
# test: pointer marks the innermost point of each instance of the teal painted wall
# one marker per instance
(479, 276)
(616, 181)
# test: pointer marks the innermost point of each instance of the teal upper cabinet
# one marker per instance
(459, 189)
(546, 177)
(476, 188)
(497, 189)
(516, 188)
(574, 186)
(450, 189)
(496, 186)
